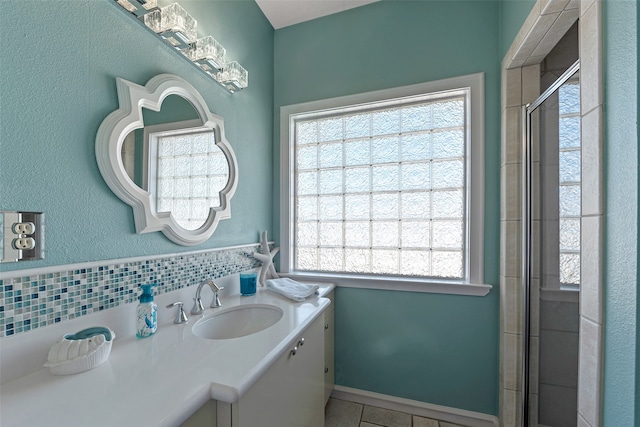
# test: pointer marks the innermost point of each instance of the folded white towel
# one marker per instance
(291, 289)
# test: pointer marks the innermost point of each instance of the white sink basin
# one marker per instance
(237, 321)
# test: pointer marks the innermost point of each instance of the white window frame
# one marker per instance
(473, 283)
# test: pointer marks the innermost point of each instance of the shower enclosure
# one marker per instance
(551, 253)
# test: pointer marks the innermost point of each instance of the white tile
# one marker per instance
(340, 413)
(537, 32)
(589, 371)
(511, 361)
(511, 251)
(582, 422)
(511, 411)
(530, 83)
(512, 138)
(534, 303)
(592, 164)
(511, 305)
(551, 6)
(385, 417)
(511, 190)
(584, 5)
(591, 244)
(558, 29)
(534, 364)
(424, 422)
(511, 88)
(591, 92)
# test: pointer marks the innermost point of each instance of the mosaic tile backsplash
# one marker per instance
(30, 302)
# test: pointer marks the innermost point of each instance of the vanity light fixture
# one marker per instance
(176, 27)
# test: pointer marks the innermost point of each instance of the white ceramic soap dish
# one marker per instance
(81, 351)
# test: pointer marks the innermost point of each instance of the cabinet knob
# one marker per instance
(326, 370)
(294, 351)
(301, 342)
(326, 326)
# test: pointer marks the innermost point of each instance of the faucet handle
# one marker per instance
(215, 303)
(182, 316)
(198, 308)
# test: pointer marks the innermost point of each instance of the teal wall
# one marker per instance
(57, 83)
(441, 349)
(621, 291)
(512, 16)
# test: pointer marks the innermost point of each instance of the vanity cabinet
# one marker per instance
(290, 393)
(329, 348)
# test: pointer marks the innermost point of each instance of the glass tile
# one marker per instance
(446, 264)
(415, 263)
(330, 129)
(307, 157)
(330, 155)
(385, 150)
(416, 205)
(385, 206)
(357, 152)
(569, 98)
(357, 234)
(330, 208)
(357, 125)
(416, 146)
(330, 234)
(307, 208)
(448, 144)
(306, 132)
(306, 258)
(384, 234)
(357, 180)
(569, 200)
(330, 259)
(448, 174)
(448, 114)
(384, 178)
(416, 118)
(384, 261)
(569, 128)
(447, 204)
(307, 183)
(569, 164)
(570, 269)
(385, 122)
(415, 234)
(357, 206)
(569, 234)
(330, 181)
(416, 176)
(447, 234)
(357, 260)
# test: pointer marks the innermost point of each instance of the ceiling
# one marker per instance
(282, 13)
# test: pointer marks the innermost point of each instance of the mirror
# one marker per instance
(165, 154)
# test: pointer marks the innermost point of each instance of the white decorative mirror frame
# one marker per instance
(115, 128)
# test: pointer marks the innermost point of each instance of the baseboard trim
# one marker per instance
(422, 409)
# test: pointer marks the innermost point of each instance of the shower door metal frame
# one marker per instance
(526, 228)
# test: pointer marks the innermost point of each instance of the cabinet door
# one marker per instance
(291, 392)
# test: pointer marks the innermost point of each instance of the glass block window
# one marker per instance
(569, 183)
(382, 188)
(190, 171)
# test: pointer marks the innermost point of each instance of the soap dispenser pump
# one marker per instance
(146, 313)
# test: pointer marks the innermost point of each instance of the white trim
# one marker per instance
(414, 407)
(90, 264)
(128, 117)
(475, 253)
(394, 284)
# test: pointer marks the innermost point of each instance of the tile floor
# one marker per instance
(341, 413)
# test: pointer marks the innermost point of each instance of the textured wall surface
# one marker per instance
(58, 83)
(440, 349)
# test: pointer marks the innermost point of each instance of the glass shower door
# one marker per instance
(552, 253)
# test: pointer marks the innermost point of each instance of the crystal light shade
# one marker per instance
(233, 77)
(174, 24)
(208, 54)
(138, 7)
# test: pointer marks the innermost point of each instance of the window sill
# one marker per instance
(394, 284)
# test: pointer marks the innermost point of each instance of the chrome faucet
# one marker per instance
(198, 308)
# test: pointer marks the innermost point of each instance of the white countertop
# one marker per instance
(160, 380)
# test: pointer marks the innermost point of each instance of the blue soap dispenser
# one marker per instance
(146, 313)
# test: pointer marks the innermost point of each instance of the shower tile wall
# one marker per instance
(36, 299)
